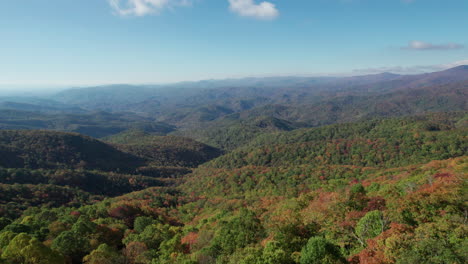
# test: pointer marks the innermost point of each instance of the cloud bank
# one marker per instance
(421, 45)
(248, 8)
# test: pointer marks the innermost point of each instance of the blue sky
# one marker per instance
(90, 42)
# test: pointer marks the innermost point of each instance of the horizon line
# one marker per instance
(398, 70)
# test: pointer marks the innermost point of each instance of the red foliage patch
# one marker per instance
(375, 203)
(75, 213)
(190, 239)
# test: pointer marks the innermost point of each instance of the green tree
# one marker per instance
(319, 251)
(357, 197)
(72, 245)
(18, 228)
(38, 253)
(274, 254)
(142, 222)
(171, 247)
(5, 238)
(12, 252)
(152, 235)
(104, 254)
(24, 249)
(370, 226)
(432, 251)
(247, 255)
(239, 232)
(84, 226)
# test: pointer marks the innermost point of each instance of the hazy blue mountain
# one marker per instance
(211, 109)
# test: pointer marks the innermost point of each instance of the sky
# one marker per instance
(47, 43)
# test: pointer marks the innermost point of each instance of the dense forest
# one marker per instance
(368, 169)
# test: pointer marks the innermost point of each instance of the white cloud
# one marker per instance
(248, 8)
(421, 45)
(144, 7)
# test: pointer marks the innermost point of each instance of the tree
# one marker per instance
(319, 251)
(153, 235)
(26, 250)
(431, 251)
(247, 255)
(5, 238)
(370, 226)
(38, 253)
(274, 254)
(72, 245)
(171, 247)
(104, 254)
(135, 252)
(357, 197)
(239, 232)
(12, 252)
(18, 228)
(142, 222)
(441, 242)
(84, 226)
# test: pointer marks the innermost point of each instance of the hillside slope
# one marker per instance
(164, 150)
(366, 192)
(47, 149)
(384, 142)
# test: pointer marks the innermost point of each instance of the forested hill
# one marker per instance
(379, 191)
(164, 150)
(94, 124)
(53, 169)
(381, 142)
(47, 149)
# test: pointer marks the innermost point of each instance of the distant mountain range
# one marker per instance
(196, 109)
